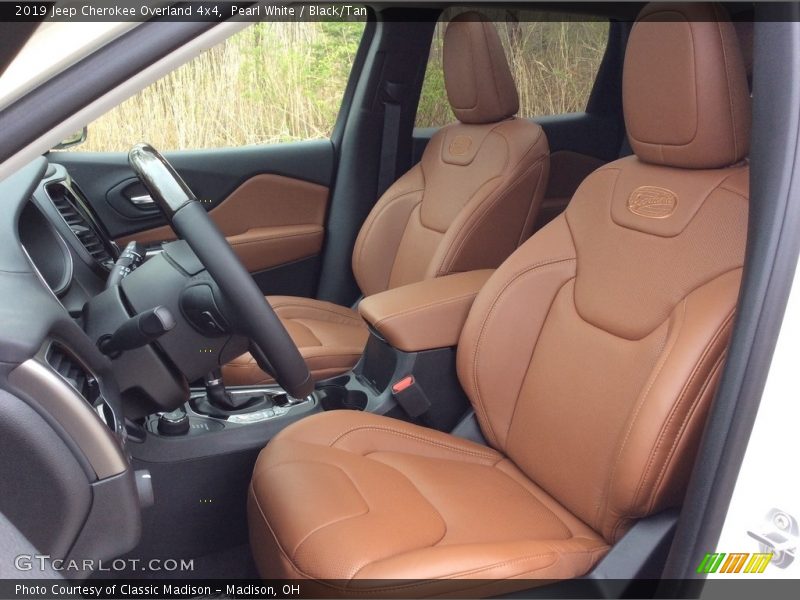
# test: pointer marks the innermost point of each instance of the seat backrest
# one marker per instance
(592, 354)
(473, 197)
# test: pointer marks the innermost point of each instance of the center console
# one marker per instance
(201, 455)
(407, 371)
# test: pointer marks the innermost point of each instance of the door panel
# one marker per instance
(270, 201)
(269, 220)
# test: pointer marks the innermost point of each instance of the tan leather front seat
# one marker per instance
(470, 201)
(591, 357)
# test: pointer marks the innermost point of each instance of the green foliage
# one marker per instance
(553, 62)
(272, 82)
(275, 82)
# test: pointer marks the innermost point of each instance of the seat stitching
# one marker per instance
(417, 209)
(530, 217)
(711, 278)
(591, 552)
(369, 508)
(489, 203)
(494, 178)
(685, 389)
(493, 129)
(330, 353)
(381, 210)
(503, 474)
(308, 330)
(651, 457)
(623, 520)
(491, 200)
(695, 372)
(444, 523)
(725, 182)
(435, 303)
(314, 308)
(732, 191)
(555, 554)
(481, 335)
(334, 522)
(533, 496)
(477, 569)
(272, 238)
(360, 428)
(272, 531)
(308, 324)
(421, 495)
(684, 424)
(533, 353)
(663, 358)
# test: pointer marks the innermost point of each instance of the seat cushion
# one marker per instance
(331, 338)
(345, 496)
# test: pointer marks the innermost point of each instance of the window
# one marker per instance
(554, 60)
(271, 82)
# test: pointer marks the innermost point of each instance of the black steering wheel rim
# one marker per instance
(192, 224)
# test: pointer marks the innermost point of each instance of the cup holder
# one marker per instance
(338, 397)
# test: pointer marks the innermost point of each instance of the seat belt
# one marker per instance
(392, 111)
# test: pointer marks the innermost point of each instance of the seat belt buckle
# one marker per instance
(410, 395)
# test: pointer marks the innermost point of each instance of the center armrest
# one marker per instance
(424, 315)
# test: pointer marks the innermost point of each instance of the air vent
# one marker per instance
(67, 205)
(73, 373)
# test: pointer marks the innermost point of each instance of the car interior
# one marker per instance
(478, 359)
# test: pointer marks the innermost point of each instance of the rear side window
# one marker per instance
(554, 59)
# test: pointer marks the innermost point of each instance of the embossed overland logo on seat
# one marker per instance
(652, 202)
(460, 145)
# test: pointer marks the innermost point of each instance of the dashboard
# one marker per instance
(46, 248)
(62, 406)
(73, 404)
(65, 241)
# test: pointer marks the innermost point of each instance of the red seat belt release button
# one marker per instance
(405, 383)
(410, 395)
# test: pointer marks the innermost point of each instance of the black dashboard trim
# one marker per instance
(58, 398)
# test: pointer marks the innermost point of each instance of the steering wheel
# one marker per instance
(192, 223)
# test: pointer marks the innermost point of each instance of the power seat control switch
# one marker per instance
(410, 395)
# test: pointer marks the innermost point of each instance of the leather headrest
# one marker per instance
(476, 73)
(684, 88)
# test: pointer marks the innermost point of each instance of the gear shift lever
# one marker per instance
(217, 396)
(218, 402)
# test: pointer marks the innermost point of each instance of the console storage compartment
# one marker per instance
(424, 315)
(414, 331)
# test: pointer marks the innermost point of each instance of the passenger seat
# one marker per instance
(469, 202)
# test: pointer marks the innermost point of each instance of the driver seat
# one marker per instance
(590, 357)
(469, 202)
